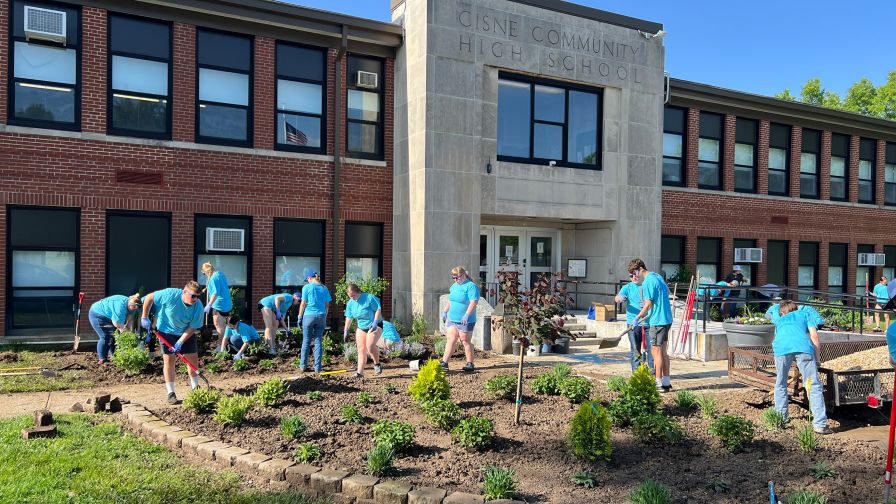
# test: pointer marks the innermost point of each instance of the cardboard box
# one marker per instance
(604, 313)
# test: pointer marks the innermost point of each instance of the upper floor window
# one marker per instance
(709, 152)
(745, 136)
(890, 175)
(674, 120)
(140, 77)
(364, 114)
(225, 93)
(44, 79)
(839, 167)
(778, 159)
(867, 155)
(811, 146)
(540, 122)
(300, 97)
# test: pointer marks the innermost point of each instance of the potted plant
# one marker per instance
(751, 328)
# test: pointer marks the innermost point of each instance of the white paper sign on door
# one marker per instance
(539, 247)
(508, 251)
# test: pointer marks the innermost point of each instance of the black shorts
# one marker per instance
(659, 335)
(260, 307)
(189, 347)
(222, 313)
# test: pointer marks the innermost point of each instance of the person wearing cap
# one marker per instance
(273, 310)
(219, 301)
(313, 314)
(737, 274)
(238, 336)
(108, 315)
(881, 298)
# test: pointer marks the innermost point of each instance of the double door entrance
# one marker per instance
(531, 251)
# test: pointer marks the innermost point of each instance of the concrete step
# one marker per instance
(574, 327)
(584, 334)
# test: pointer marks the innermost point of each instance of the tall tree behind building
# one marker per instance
(862, 97)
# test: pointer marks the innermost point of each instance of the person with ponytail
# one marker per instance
(108, 315)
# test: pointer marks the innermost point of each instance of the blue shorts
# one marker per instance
(468, 327)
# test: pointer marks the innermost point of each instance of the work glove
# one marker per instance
(444, 317)
(238, 356)
(177, 346)
(145, 323)
(207, 309)
(345, 334)
(464, 319)
(148, 338)
(279, 316)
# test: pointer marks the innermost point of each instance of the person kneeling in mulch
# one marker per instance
(796, 340)
(238, 336)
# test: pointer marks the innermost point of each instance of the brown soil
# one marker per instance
(9, 357)
(536, 449)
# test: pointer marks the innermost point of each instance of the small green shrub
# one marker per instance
(127, 339)
(639, 398)
(685, 399)
(266, 365)
(379, 459)
(589, 433)
(389, 388)
(822, 471)
(350, 414)
(656, 429)
(231, 411)
(773, 420)
(430, 383)
(717, 485)
(498, 483)
(584, 479)
(549, 383)
(708, 405)
(418, 329)
(364, 399)
(213, 367)
(805, 496)
(330, 344)
(307, 452)
(222, 356)
(293, 427)
(616, 383)
(734, 432)
(501, 387)
(131, 360)
(438, 346)
(806, 439)
(395, 433)
(649, 492)
(202, 401)
(315, 395)
(257, 348)
(577, 389)
(443, 413)
(474, 433)
(241, 365)
(270, 392)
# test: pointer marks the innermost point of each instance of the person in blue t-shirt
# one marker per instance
(366, 309)
(630, 294)
(274, 310)
(881, 298)
(238, 336)
(657, 312)
(179, 315)
(460, 316)
(313, 314)
(108, 315)
(796, 340)
(219, 301)
(813, 315)
(891, 344)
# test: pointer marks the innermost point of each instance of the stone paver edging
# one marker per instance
(340, 486)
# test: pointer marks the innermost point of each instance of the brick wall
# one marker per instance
(93, 70)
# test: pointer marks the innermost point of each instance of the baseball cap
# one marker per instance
(309, 272)
(737, 267)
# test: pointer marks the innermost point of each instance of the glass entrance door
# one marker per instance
(541, 255)
(528, 251)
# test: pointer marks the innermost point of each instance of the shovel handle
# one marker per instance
(178, 354)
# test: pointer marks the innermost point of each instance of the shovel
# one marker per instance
(185, 361)
(78, 323)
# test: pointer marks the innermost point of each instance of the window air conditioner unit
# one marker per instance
(366, 80)
(872, 259)
(44, 24)
(748, 255)
(224, 240)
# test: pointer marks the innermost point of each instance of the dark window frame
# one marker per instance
(787, 152)
(566, 87)
(684, 147)
(135, 213)
(681, 250)
(786, 260)
(755, 145)
(817, 175)
(718, 254)
(873, 159)
(845, 157)
(841, 264)
(346, 255)
(889, 159)
(11, 118)
(248, 252)
(323, 97)
(250, 108)
(323, 254)
(721, 162)
(866, 248)
(380, 124)
(110, 129)
(814, 264)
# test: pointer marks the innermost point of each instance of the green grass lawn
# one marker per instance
(92, 460)
(64, 380)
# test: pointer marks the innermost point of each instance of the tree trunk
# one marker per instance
(519, 387)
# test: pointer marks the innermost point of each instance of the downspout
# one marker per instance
(337, 150)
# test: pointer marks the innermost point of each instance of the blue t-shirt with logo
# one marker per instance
(285, 302)
(114, 308)
(792, 333)
(460, 295)
(315, 296)
(882, 294)
(363, 310)
(632, 293)
(656, 290)
(174, 316)
(246, 332)
(217, 285)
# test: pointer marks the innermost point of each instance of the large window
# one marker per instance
(298, 244)
(672, 254)
(837, 255)
(864, 274)
(42, 255)
(363, 250)
(709, 255)
(890, 175)
(839, 167)
(364, 116)
(778, 262)
(867, 160)
(746, 268)
(709, 152)
(778, 159)
(809, 158)
(139, 77)
(301, 100)
(224, 107)
(890, 262)
(745, 137)
(44, 85)
(807, 275)
(540, 122)
(674, 121)
(138, 252)
(217, 240)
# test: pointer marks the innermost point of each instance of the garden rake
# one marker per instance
(185, 361)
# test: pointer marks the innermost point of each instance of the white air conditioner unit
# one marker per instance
(748, 255)
(366, 79)
(872, 259)
(44, 24)
(224, 240)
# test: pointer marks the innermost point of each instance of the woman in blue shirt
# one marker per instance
(239, 335)
(365, 308)
(460, 316)
(109, 314)
(313, 314)
(274, 310)
(219, 301)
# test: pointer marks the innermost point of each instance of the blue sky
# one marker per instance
(761, 47)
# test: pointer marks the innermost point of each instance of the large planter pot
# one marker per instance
(749, 335)
(561, 346)
(533, 350)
